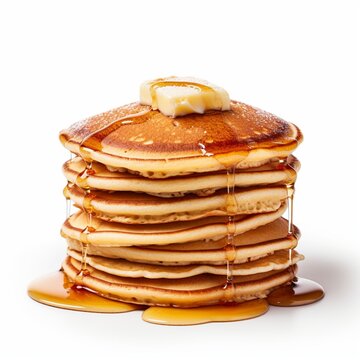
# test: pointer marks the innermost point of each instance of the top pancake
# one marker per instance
(142, 140)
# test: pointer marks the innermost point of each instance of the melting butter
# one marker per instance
(178, 96)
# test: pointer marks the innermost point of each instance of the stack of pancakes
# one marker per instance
(181, 212)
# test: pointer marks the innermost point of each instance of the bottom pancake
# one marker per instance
(199, 290)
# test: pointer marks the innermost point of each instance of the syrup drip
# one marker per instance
(230, 249)
(82, 177)
(290, 201)
(57, 290)
(86, 204)
(231, 207)
(231, 210)
(285, 164)
(84, 251)
(205, 314)
(290, 197)
(290, 208)
(81, 181)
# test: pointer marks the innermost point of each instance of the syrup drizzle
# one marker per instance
(81, 181)
(95, 140)
(290, 188)
(231, 210)
(290, 200)
(230, 249)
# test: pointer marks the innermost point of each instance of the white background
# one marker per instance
(62, 61)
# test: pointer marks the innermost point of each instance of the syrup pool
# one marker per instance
(57, 290)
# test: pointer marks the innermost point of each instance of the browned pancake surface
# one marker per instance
(242, 128)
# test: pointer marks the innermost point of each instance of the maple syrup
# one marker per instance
(290, 187)
(205, 314)
(299, 292)
(231, 209)
(81, 181)
(57, 290)
(230, 249)
(97, 139)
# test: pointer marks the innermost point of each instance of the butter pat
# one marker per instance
(178, 96)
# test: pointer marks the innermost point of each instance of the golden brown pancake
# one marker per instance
(117, 234)
(274, 230)
(279, 260)
(142, 140)
(250, 245)
(214, 257)
(139, 208)
(199, 290)
(200, 184)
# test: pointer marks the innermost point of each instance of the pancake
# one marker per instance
(145, 141)
(116, 234)
(279, 260)
(249, 246)
(275, 230)
(199, 290)
(215, 257)
(200, 184)
(141, 208)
